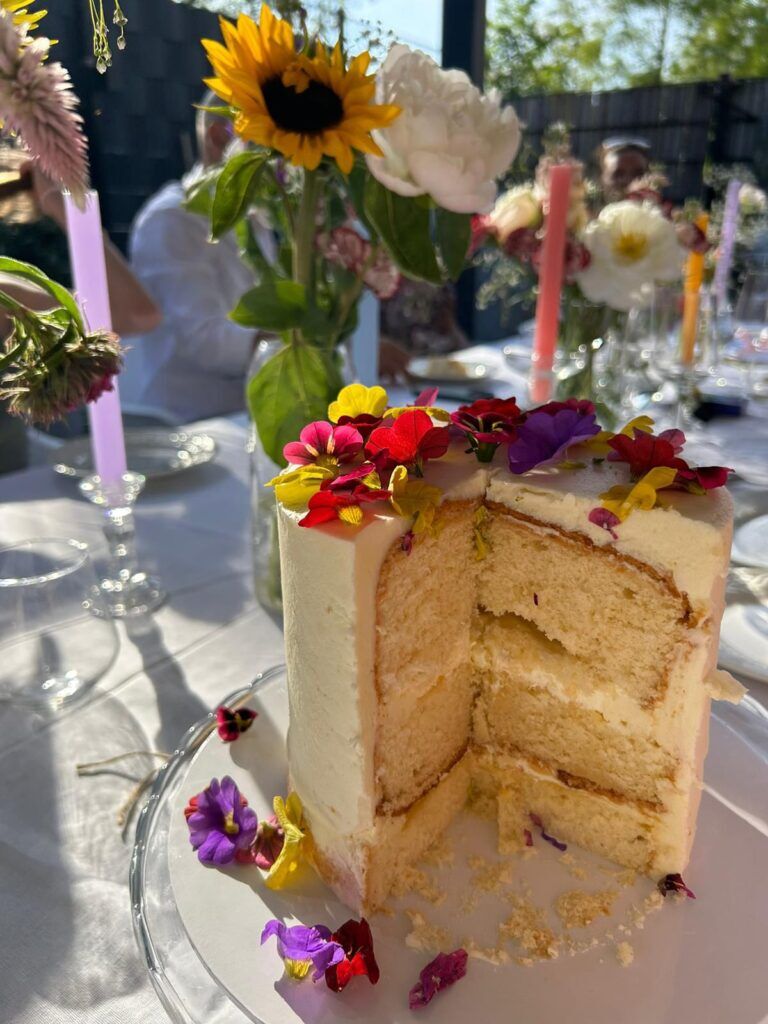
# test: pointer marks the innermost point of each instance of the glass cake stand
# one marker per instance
(696, 962)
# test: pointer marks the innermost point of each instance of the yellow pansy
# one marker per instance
(414, 498)
(431, 410)
(290, 815)
(295, 488)
(357, 400)
(624, 498)
(598, 445)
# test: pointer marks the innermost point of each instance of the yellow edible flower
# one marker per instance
(295, 488)
(414, 498)
(598, 445)
(431, 410)
(358, 400)
(290, 815)
(624, 498)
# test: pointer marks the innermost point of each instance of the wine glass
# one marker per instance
(749, 347)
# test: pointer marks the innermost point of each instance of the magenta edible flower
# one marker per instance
(268, 843)
(441, 972)
(606, 519)
(487, 423)
(562, 847)
(220, 822)
(230, 724)
(304, 943)
(324, 444)
(674, 883)
(547, 433)
(406, 542)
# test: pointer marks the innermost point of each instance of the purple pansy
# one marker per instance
(305, 942)
(443, 971)
(221, 823)
(544, 437)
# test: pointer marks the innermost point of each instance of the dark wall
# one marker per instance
(139, 115)
(724, 121)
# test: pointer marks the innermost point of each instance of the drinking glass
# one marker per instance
(56, 638)
(749, 347)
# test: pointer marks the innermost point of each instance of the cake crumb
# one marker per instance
(412, 880)
(424, 936)
(578, 909)
(651, 904)
(495, 956)
(386, 911)
(625, 954)
(527, 925)
(488, 875)
(627, 878)
(440, 854)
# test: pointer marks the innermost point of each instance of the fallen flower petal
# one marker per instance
(550, 839)
(674, 883)
(444, 970)
(231, 724)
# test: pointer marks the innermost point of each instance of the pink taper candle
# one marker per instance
(89, 275)
(550, 283)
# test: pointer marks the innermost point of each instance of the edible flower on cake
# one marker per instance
(329, 504)
(546, 434)
(411, 440)
(294, 488)
(486, 424)
(359, 406)
(424, 401)
(220, 822)
(324, 444)
(622, 499)
(439, 973)
(414, 498)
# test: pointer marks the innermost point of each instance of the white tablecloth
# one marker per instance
(67, 953)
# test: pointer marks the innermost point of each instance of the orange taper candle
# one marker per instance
(694, 275)
(550, 282)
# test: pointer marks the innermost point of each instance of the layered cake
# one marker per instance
(515, 607)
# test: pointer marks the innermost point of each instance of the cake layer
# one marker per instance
(621, 618)
(632, 834)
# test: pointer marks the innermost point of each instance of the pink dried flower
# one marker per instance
(347, 248)
(37, 103)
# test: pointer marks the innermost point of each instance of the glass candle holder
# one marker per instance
(127, 590)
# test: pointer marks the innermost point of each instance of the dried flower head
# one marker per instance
(37, 103)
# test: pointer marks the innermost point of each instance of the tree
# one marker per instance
(724, 37)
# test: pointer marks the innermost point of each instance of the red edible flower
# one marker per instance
(487, 423)
(644, 452)
(410, 441)
(191, 807)
(230, 724)
(674, 883)
(328, 505)
(580, 405)
(357, 942)
(364, 423)
(707, 477)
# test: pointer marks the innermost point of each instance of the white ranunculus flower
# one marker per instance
(516, 209)
(632, 246)
(450, 141)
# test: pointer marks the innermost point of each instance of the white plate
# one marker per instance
(154, 453)
(447, 370)
(699, 962)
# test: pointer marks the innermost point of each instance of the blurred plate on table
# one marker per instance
(155, 453)
(447, 370)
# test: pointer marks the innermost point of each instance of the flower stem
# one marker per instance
(304, 236)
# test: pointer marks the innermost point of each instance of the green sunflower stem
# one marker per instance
(304, 237)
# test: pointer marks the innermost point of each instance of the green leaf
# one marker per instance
(290, 390)
(199, 196)
(404, 227)
(273, 305)
(17, 268)
(234, 191)
(454, 233)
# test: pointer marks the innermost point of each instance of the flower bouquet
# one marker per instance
(613, 261)
(367, 176)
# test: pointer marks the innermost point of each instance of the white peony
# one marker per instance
(450, 141)
(632, 246)
(516, 209)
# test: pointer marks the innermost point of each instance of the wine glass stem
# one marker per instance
(120, 531)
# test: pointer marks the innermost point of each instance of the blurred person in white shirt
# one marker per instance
(194, 365)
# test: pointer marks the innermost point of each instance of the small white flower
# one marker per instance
(449, 142)
(632, 246)
(516, 209)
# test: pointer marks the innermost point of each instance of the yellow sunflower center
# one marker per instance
(307, 111)
(630, 246)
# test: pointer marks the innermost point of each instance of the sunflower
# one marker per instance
(21, 13)
(303, 106)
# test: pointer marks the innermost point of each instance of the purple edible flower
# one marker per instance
(305, 942)
(220, 823)
(606, 519)
(544, 437)
(674, 883)
(562, 847)
(443, 971)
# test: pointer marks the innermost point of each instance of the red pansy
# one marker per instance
(363, 424)
(327, 505)
(357, 942)
(707, 477)
(411, 440)
(644, 452)
(230, 724)
(487, 423)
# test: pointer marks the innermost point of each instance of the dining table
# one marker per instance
(67, 949)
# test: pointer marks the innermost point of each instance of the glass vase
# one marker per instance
(264, 540)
